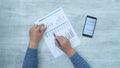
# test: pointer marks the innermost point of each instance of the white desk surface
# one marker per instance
(18, 16)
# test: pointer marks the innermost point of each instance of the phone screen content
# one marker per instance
(89, 26)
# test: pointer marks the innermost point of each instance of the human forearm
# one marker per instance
(35, 34)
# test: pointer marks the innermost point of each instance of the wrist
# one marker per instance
(33, 44)
(70, 52)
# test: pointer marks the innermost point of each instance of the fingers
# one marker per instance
(39, 26)
(61, 38)
(56, 43)
(35, 26)
(42, 32)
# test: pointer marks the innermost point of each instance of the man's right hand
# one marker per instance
(65, 45)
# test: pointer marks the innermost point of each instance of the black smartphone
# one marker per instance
(89, 26)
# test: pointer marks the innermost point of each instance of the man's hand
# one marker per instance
(65, 45)
(35, 35)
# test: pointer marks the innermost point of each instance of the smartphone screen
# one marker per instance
(89, 26)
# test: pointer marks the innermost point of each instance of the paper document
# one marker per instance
(57, 22)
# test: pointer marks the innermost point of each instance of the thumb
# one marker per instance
(43, 29)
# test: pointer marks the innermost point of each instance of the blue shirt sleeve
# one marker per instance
(30, 60)
(78, 61)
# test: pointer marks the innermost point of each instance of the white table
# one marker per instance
(18, 16)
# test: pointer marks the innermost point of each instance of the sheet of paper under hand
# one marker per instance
(57, 22)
